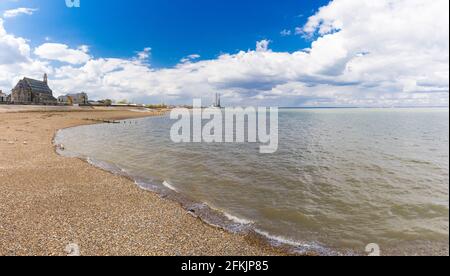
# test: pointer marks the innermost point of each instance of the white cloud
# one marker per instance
(190, 58)
(84, 48)
(12, 49)
(262, 46)
(405, 44)
(62, 53)
(18, 11)
(299, 31)
(145, 54)
(363, 53)
(285, 32)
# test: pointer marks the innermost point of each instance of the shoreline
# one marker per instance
(264, 240)
(219, 218)
(215, 218)
(72, 210)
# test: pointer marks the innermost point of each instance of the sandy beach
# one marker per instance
(48, 201)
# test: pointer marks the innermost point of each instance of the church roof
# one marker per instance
(38, 86)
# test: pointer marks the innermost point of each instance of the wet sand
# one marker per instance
(48, 201)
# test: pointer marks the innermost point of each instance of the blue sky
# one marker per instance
(173, 29)
(275, 53)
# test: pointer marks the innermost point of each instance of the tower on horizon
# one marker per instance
(217, 102)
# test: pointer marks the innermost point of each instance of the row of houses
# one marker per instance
(31, 91)
(74, 99)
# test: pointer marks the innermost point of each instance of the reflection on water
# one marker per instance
(342, 178)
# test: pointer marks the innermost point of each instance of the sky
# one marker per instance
(266, 52)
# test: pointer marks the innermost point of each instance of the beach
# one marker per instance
(319, 193)
(49, 202)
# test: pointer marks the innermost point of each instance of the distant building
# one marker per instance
(71, 99)
(30, 91)
(64, 100)
(106, 102)
(95, 103)
(3, 97)
(217, 102)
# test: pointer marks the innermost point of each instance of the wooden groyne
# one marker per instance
(103, 121)
(155, 113)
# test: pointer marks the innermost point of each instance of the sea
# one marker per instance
(343, 181)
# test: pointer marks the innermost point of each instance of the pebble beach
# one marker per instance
(54, 205)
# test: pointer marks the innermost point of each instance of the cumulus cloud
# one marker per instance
(392, 46)
(145, 54)
(62, 53)
(262, 46)
(190, 58)
(12, 49)
(15, 60)
(18, 11)
(362, 53)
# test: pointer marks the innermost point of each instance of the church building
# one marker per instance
(30, 91)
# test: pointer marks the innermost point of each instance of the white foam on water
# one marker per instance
(91, 162)
(169, 186)
(146, 186)
(298, 246)
(283, 240)
(235, 219)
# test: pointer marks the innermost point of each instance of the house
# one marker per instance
(30, 91)
(3, 97)
(71, 99)
(106, 102)
(64, 100)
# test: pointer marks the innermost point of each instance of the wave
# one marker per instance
(237, 219)
(215, 217)
(169, 186)
(297, 246)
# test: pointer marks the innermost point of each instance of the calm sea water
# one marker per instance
(341, 179)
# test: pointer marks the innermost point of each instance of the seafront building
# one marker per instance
(31, 91)
(74, 99)
(3, 97)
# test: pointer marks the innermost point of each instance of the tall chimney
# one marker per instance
(45, 78)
